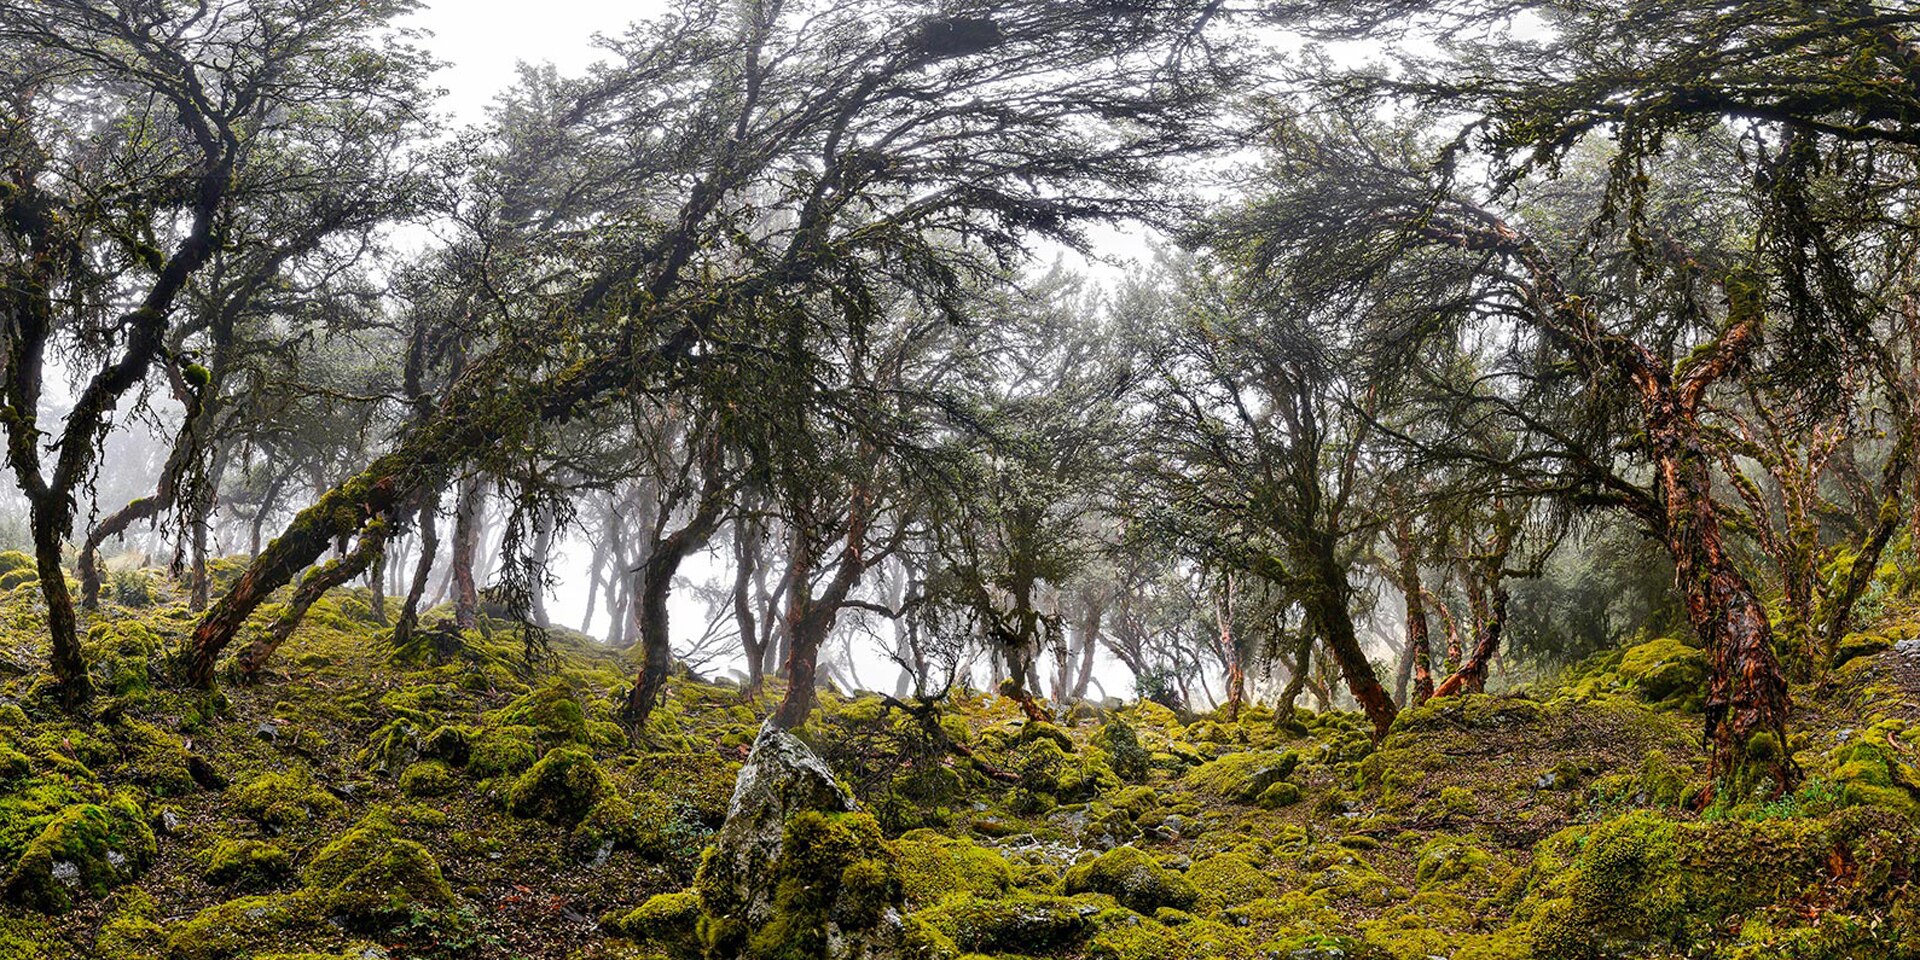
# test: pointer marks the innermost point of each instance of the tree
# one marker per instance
(1255, 449)
(139, 140)
(895, 152)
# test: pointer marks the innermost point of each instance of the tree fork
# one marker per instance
(371, 546)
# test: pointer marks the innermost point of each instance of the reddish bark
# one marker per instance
(1418, 651)
(313, 586)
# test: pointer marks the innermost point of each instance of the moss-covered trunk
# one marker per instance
(373, 542)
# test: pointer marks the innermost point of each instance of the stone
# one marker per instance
(797, 867)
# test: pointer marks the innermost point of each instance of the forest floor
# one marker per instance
(446, 801)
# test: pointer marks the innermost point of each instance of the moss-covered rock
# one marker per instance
(371, 874)
(428, 778)
(1028, 923)
(1242, 777)
(83, 851)
(1227, 880)
(1131, 876)
(283, 799)
(795, 867)
(1665, 670)
(562, 788)
(253, 864)
(934, 868)
(667, 921)
(1642, 883)
(1130, 761)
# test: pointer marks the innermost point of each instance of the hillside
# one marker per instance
(448, 802)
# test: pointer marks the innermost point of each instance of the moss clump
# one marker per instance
(835, 879)
(247, 863)
(1131, 876)
(668, 921)
(1244, 776)
(1049, 773)
(1665, 671)
(1126, 937)
(428, 778)
(1281, 794)
(1641, 883)
(238, 928)
(85, 849)
(1451, 863)
(449, 744)
(371, 874)
(1130, 761)
(934, 868)
(1227, 880)
(281, 800)
(503, 751)
(122, 653)
(1028, 923)
(133, 932)
(550, 710)
(561, 789)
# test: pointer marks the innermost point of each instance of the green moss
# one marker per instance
(934, 868)
(370, 874)
(281, 800)
(132, 932)
(449, 744)
(239, 928)
(1118, 740)
(668, 921)
(428, 778)
(836, 876)
(499, 751)
(1136, 938)
(247, 863)
(551, 710)
(1638, 880)
(1244, 776)
(1131, 876)
(86, 849)
(1665, 671)
(1227, 880)
(1024, 922)
(561, 788)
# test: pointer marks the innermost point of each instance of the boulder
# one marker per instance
(798, 870)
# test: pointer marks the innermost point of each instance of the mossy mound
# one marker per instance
(562, 788)
(86, 849)
(1132, 877)
(370, 874)
(253, 864)
(1243, 777)
(1641, 883)
(934, 868)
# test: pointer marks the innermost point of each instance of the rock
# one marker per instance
(1131, 876)
(797, 867)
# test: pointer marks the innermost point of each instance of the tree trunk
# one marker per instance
(429, 523)
(466, 538)
(1418, 651)
(1746, 692)
(745, 560)
(542, 554)
(312, 587)
(656, 577)
(68, 660)
(1327, 604)
(377, 589)
(1472, 675)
